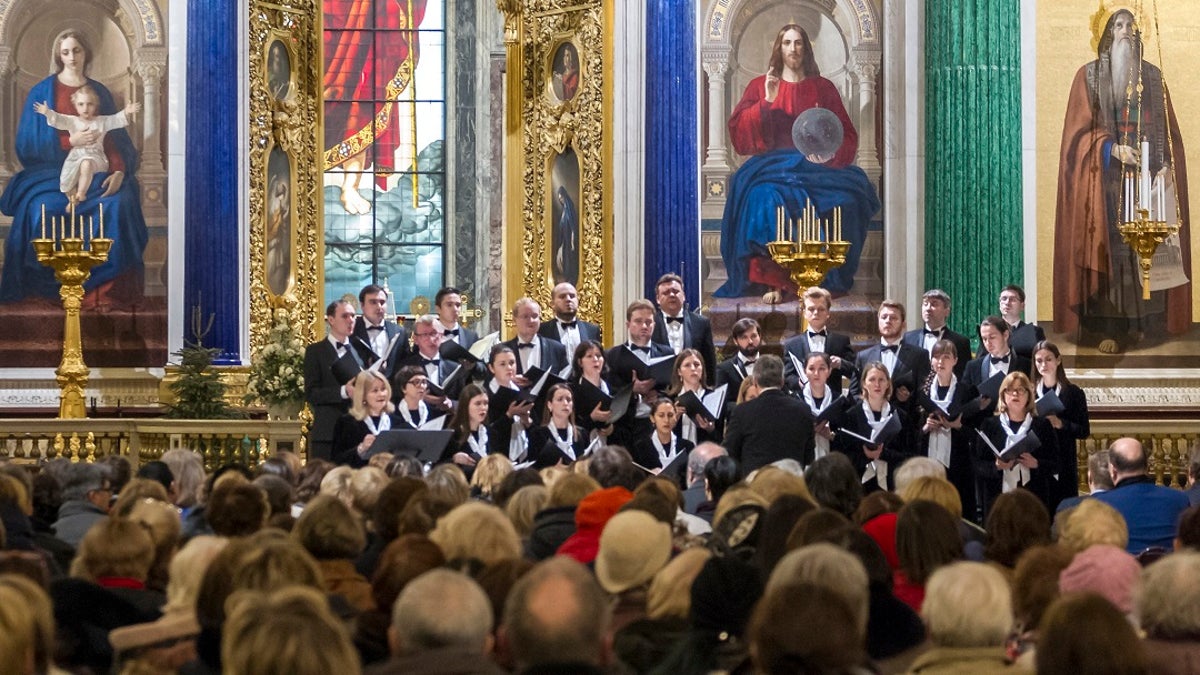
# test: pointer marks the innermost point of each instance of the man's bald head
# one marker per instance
(699, 457)
(1127, 458)
(557, 614)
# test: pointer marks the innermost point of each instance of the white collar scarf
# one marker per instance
(820, 443)
(665, 455)
(422, 415)
(479, 445)
(567, 446)
(939, 439)
(877, 469)
(385, 423)
(1019, 474)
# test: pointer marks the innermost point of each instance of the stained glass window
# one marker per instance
(385, 127)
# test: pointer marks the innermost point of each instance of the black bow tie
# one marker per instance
(1002, 359)
(749, 362)
(374, 329)
(451, 331)
(567, 324)
(935, 333)
(524, 345)
(640, 349)
(890, 348)
(674, 319)
(819, 333)
(427, 362)
(341, 347)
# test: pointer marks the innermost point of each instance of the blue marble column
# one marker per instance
(211, 263)
(672, 230)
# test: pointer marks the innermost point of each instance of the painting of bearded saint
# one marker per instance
(1119, 116)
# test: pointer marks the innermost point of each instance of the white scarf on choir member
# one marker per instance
(567, 446)
(1019, 474)
(687, 426)
(877, 469)
(939, 439)
(385, 423)
(820, 443)
(518, 443)
(422, 415)
(665, 455)
(1041, 389)
(479, 442)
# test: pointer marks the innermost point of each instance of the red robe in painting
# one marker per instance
(757, 126)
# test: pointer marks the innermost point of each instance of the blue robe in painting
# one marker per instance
(37, 184)
(785, 178)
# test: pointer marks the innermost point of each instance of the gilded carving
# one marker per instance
(285, 100)
(554, 125)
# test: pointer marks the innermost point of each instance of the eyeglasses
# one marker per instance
(418, 383)
(425, 335)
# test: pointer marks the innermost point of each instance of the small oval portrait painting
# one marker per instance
(279, 70)
(564, 72)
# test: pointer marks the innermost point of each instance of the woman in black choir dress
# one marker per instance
(588, 364)
(944, 439)
(412, 412)
(876, 463)
(472, 440)
(1071, 425)
(656, 451)
(558, 440)
(688, 375)
(370, 415)
(508, 425)
(1016, 416)
(819, 397)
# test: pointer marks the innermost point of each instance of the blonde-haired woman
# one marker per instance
(370, 415)
(1015, 421)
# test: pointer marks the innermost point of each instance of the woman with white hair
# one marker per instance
(968, 614)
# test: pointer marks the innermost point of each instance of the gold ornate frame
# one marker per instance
(538, 128)
(292, 124)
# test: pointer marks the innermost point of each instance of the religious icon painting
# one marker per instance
(564, 218)
(279, 227)
(279, 70)
(84, 65)
(564, 80)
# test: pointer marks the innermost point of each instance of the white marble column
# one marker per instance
(9, 107)
(629, 160)
(717, 155)
(866, 67)
(151, 75)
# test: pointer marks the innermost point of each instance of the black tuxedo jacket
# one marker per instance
(553, 354)
(466, 336)
(912, 367)
(697, 334)
(587, 331)
(731, 372)
(617, 379)
(774, 426)
(1024, 337)
(399, 352)
(962, 346)
(977, 371)
(836, 344)
(322, 391)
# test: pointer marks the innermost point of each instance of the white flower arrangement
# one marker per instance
(277, 369)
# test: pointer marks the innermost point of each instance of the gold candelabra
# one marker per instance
(808, 247)
(1144, 223)
(72, 250)
(1143, 235)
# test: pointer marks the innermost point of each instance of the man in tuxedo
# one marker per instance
(741, 365)
(448, 305)
(681, 329)
(377, 333)
(533, 350)
(774, 426)
(907, 365)
(935, 309)
(639, 325)
(818, 338)
(996, 356)
(1023, 336)
(329, 399)
(427, 337)
(566, 327)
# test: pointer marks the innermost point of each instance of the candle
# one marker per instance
(778, 223)
(43, 221)
(1145, 160)
(101, 220)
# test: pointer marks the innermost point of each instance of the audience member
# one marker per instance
(835, 484)
(478, 531)
(1105, 570)
(831, 567)
(644, 643)
(1167, 609)
(333, 535)
(556, 522)
(1093, 522)
(592, 514)
(968, 612)
(806, 627)
(523, 507)
(289, 630)
(237, 510)
(26, 627)
(86, 496)
(1084, 633)
(1151, 511)
(926, 539)
(557, 621)
(1017, 521)
(1034, 588)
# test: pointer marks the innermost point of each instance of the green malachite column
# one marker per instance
(973, 242)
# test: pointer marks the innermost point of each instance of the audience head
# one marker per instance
(441, 609)
(557, 613)
(187, 570)
(1093, 522)
(829, 566)
(967, 604)
(927, 538)
(835, 484)
(1035, 583)
(1017, 521)
(777, 525)
(479, 531)
(329, 530)
(447, 483)
(1127, 458)
(612, 466)
(806, 627)
(1105, 570)
(1168, 606)
(721, 473)
(876, 504)
(114, 547)
(489, 472)
(634, 546)
(771, 482)
(311, 476)
(279, 492)
(1084, 633)
(670, 594)
(570, 489)
(290, 630)
(406, 558)
(1188, 532)
(1099, 476)
(937, 490)
(87, 481)
(914, 468)
(237, 510)
(699, 457)
(159, 472)
(26, 627)
(815, 526)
